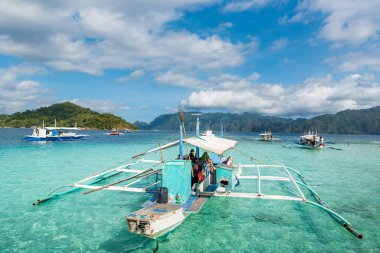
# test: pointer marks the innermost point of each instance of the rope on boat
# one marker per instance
(250, 157)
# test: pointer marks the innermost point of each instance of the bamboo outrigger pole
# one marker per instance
(118, 182)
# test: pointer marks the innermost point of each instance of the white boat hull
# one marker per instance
(156, 220)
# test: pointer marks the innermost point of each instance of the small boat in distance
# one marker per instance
(208, 133)
(54, 134)
(267, 136)
(311, 140)
(114, 132)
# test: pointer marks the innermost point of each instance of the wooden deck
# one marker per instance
(197, 204)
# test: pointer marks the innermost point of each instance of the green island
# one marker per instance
(365, 121)
(67, 115)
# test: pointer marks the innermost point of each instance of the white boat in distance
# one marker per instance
(267, 136)
(54, 134)
(311, 140)
(208, 133)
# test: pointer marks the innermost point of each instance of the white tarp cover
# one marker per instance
(210, 143)
(213, 144)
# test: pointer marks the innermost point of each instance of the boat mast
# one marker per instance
(55, 122)
(180, 141)
(197, 132)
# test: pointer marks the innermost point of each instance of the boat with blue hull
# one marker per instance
(54, 134)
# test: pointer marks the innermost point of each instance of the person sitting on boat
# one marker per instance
(228, 161)
(194, 175)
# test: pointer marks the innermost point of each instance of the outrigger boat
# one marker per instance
(311, 140)
(208, 133)
(266, 136)
(174, 198)
(54, 134)
(114, 132)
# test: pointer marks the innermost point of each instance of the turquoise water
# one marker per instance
(347, 180)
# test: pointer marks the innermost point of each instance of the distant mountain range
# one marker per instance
(67, 115)
(365, 121)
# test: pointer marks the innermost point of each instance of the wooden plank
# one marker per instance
(197, 204)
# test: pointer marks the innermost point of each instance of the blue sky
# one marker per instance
(140, 59)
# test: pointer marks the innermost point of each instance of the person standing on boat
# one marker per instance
(207, 162)
(192, 156)
(194, 175)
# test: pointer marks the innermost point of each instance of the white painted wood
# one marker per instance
(256, 196)
(274, 178)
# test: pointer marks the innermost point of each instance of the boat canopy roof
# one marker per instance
(62, 128)
(210, 143)
(308, 136)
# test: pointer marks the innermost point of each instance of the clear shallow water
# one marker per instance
(348, 180)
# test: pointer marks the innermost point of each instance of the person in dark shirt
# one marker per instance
(192, 156)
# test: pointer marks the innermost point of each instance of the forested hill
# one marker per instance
(366, 121)
(232, 122)
(66, 114)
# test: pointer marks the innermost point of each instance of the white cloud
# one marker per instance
(287, 60)
(133, 76)
(101, 105)
(169, 109)
(17, 92)
(142, 107)
(244, 5)
(175, 79)
(223, 27)
(254, 76)
(77, 36)
(344, 22)
(355, 61)
(221, 82)
(314, 96)
(280, 44)
(366, 59)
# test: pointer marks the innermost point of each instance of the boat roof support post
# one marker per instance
(197, 134)
(258, 179)
(180, 141)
